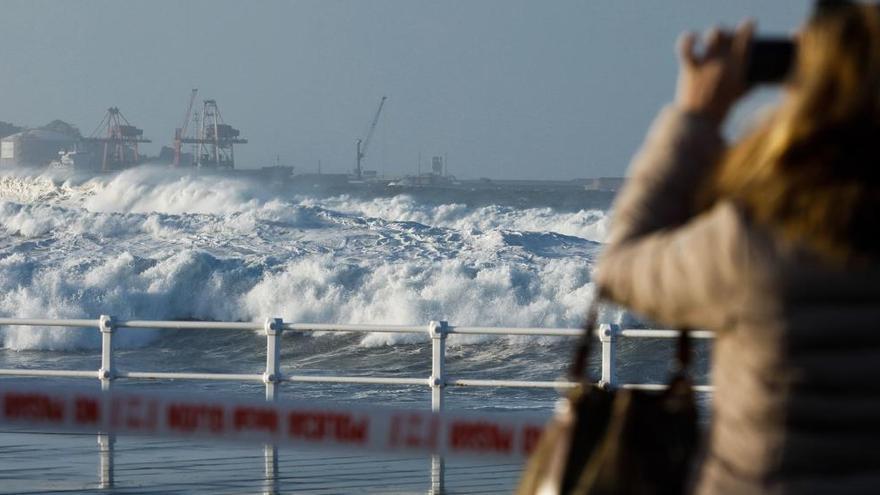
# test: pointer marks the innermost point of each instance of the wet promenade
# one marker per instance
(33, 462)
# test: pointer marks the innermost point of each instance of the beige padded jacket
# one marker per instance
(796, 362)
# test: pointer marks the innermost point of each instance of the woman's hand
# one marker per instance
(711, 82)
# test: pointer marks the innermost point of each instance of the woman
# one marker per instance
(772, 244)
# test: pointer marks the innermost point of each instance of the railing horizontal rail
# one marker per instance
(664, 334)
(548, 332)
(375, 380)
(43, 322)
(510, 383)
(155, 375)
(343, 327)
(56, 373)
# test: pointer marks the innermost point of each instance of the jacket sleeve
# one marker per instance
(663, 258)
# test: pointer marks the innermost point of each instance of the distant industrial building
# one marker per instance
(34, 148)
(113, 146)
(7, 129)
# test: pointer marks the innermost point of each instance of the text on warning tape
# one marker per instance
(291, 423)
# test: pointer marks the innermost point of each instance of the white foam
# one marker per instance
(150, 243)
(586, 224)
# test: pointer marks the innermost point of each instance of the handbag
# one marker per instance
(603, 441)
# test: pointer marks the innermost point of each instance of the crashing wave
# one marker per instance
(155, 244)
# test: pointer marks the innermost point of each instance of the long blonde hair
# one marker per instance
(811, 171)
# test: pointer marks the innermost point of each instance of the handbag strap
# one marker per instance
(578, 370)
(683, 351)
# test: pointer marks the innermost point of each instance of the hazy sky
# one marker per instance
(522, 89)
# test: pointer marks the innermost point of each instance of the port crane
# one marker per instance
(180, 132)
(215, 139)
(363, 145)
(120, 141)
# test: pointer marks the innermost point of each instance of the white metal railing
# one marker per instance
(272, 377)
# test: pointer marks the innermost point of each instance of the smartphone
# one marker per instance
(770, 60)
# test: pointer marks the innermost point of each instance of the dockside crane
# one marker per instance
(180, 132)
(214, 140)
(119, 142)
(363, 145)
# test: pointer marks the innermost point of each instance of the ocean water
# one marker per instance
(151, 243)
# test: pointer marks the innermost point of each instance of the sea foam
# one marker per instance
(157, 244)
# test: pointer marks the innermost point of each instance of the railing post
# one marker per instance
(274, 327)
(608, 335)
(438, 330)
(107, 373)
(105, 450)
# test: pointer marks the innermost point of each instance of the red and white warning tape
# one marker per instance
(290, 423)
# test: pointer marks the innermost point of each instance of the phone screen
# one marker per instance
(770, 60)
